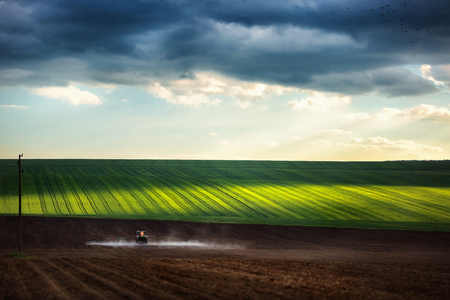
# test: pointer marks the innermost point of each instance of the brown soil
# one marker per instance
(224, 261)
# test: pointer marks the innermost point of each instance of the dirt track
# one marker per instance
(190, 260)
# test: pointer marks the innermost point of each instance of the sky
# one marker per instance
(326, 80)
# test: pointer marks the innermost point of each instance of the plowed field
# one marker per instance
(70, 258)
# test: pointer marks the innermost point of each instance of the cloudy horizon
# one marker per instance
(270, 80)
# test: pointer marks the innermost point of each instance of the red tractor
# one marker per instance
(141, 238)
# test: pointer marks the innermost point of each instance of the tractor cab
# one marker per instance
(141, 237)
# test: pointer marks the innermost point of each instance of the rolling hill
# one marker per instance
(412, 195)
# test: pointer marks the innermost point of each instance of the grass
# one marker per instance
(19, 254)
(411, 195)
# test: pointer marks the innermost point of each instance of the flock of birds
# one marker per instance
(394, 15)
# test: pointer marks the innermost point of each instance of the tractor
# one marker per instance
(141, 238)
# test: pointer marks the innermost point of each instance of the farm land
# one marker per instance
(226, 229)
(393, 195)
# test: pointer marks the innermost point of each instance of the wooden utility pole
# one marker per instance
(20, 204)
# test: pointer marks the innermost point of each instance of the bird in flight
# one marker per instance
(401, 24)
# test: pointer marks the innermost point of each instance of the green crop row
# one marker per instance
(406, 195)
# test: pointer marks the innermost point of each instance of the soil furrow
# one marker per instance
(11, 283)
(216, 273)
(110, 286)
(141, 277)
(147, 285)
(48, 280)
(71, 282)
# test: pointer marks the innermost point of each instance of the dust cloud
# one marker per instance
(165, 244)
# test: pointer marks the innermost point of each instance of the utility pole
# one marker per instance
(20, 204)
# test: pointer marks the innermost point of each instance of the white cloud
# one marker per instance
(407, 146)
(244, 104)
(249, 92)
(335, 132)
(440, 75)
(421, 112)
(223, 142)
(203, 88)
(70, 93)
(15, 106)
(214, 133)
(183, 95)
(430, 112)
(356, 116)
(318, 101)
(271, 143)
(125, 100)
(356, 140)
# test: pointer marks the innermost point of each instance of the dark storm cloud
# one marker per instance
(389, 82)
(313, 44)
(59, 28)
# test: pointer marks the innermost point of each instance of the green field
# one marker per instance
(413, 195)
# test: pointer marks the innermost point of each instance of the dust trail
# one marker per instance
(165, 244)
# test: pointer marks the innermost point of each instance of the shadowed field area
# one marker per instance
(199, 260)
